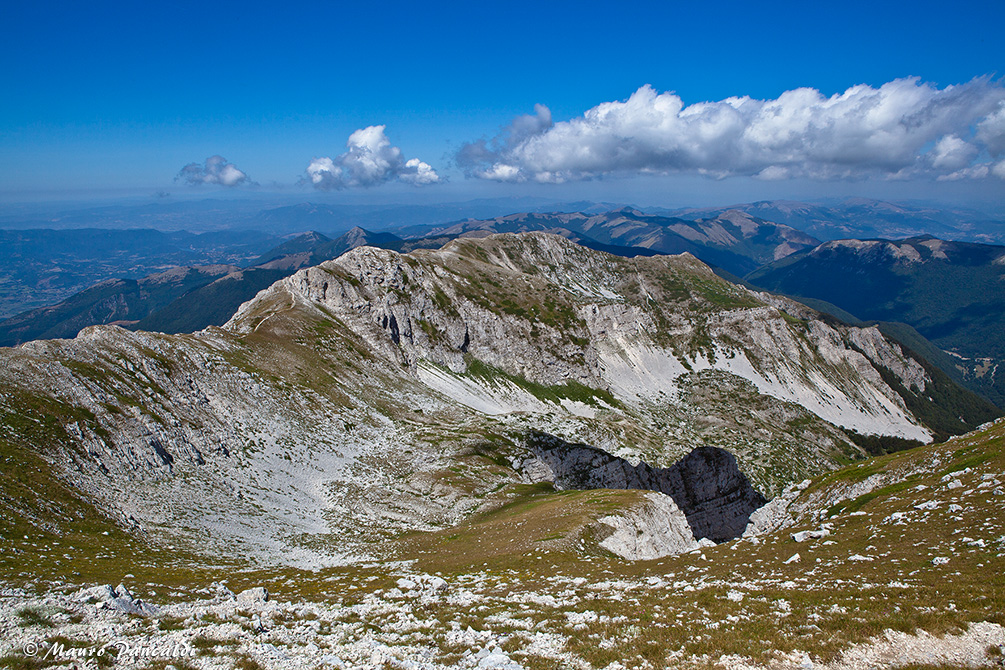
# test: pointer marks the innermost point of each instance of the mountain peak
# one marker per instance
(303, 243)
(627, 210)
(354, 235)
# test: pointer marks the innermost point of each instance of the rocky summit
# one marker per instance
(510, 452)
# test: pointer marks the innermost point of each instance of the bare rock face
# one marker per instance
(716, 497)
(706, 485)
(654, 529)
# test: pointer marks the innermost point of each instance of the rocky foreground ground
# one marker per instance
(478, 620)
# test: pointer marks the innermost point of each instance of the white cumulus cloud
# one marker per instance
(952, 153)
(902, 129)
(991, 131)
(369, 160)
(215, 170)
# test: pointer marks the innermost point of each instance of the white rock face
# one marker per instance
(257, 594)
(651, 530)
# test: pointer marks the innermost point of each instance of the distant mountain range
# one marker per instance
(119, 301)
(733, 240)
(404, 220)
(861, 218)
(39, 268)
(279, 215)
(276, 215)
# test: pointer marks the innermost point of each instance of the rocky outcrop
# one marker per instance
(653, 529)
(119, 599)
(716, 497)
(706, 485)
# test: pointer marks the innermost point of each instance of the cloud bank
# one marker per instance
(216, 170)
(369, 160)
(901, 130)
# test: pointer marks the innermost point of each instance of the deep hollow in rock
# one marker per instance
(706, 485)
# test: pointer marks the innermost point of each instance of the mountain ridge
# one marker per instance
(336, 402)
(736, 242)
(950, 292)
(868, 218)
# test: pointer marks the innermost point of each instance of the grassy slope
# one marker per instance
(51, 532)
(819, 605)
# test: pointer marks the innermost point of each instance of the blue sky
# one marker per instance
(103, 97)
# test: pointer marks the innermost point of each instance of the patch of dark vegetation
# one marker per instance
(877, 445)
(945, 407)
(570, 390)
